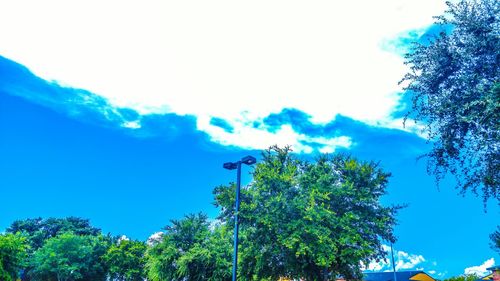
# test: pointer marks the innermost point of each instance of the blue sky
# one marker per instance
(123, 113)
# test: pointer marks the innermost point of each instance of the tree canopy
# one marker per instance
(12, 256)
(125, 260)
(454, 86)
(69, 257)
(465, 277)
(312, 220)
(191, 250)
(38, 230)
(495, 240)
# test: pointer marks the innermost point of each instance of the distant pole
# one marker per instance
(393, 264)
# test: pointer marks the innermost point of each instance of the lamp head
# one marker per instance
(230, 165)
(248, 160)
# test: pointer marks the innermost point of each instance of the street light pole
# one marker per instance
(248, 160)
(393, 264)
(236, 223)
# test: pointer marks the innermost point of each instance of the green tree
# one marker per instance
(315, 221)
(465, 277)
(454, 86)
(125, 260)
(210, 260)
(495, 240)
(13, 253)
(70, 257)
(191, 250)
(38, 230)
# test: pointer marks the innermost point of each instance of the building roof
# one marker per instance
(487, 277)
(494, 268)
(415, 275)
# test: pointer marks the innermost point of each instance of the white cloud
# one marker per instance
(132, 124)
(480, 269)
(403, 261)
(250, 137)
(123, 238)
(214, 223)
(408, 261)
(221, 58)
(441, 274)
(377, 266)
(399, 123)
(155, 238)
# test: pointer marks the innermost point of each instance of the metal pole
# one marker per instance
(237, 208)
(393, 264)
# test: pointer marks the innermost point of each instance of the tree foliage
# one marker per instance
(495, 240)
(70, 257)
(465, 277)
(125, 260)
(38, 230)
(13, 253)
(314, 221)
(190, 250)
(454, 86)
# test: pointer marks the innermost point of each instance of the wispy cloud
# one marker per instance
(257, 138)
(480, 270)
(288, 127)
(17, 80)
(223, 60)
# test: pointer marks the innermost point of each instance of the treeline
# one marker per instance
(315, 220)
(64, 249)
